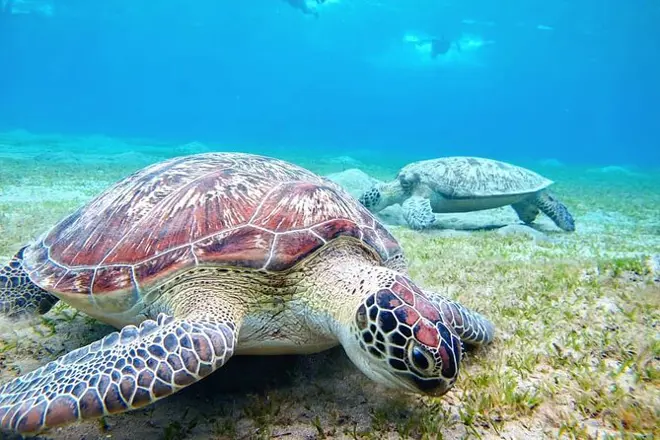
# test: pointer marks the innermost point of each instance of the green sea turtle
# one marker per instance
(462, 184)
(202, 257)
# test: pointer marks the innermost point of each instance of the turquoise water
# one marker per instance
(529, 81)
(91, 94)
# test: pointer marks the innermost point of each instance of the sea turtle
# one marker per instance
(462, 184)
(202, 257)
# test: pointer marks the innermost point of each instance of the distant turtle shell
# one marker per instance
(462, 177)
(223, 209)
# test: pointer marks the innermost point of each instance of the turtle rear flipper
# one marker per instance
(556, 210)
(18, 294)
(418, 212)
(123, 371)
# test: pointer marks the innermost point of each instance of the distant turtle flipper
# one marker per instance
(527, 211)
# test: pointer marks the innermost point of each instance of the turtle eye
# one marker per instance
(420, 359)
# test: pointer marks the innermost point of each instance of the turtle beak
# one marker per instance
(414, 385)
(431, 387)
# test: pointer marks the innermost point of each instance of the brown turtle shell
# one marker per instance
(225, 209)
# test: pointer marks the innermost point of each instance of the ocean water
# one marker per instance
(574, 81)
(91, 91)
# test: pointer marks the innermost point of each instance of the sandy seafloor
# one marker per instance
(577, 351)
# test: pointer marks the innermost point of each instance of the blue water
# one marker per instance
(571, 80)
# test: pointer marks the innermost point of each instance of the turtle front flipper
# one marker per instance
(123, 371)
(472, 327)
(18, 294)
(527, 211)
(556, 210)
(418, 212)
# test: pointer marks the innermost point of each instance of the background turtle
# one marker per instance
(220, 254)
(462, 184)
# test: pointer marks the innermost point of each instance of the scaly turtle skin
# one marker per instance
(202, 257)
(462, 184)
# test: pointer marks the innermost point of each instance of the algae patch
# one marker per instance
(577, 349)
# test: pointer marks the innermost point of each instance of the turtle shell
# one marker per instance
(473, 177)
(224, 209)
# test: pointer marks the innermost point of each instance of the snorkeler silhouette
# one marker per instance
(440, 46)
(304, 6)
(5, 11)
(6, 7)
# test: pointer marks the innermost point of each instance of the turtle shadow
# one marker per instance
(251, 391)
(282, 389)
(467, 228)
(253, 374)
(254, 397)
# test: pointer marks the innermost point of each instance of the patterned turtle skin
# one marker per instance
(201, 257)
(462, 184)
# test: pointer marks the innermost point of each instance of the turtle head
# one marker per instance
(371, 199)
(400, 339)
(382, 195)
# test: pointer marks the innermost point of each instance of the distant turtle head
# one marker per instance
(400, 340)
(371, 199)
(382, 195)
